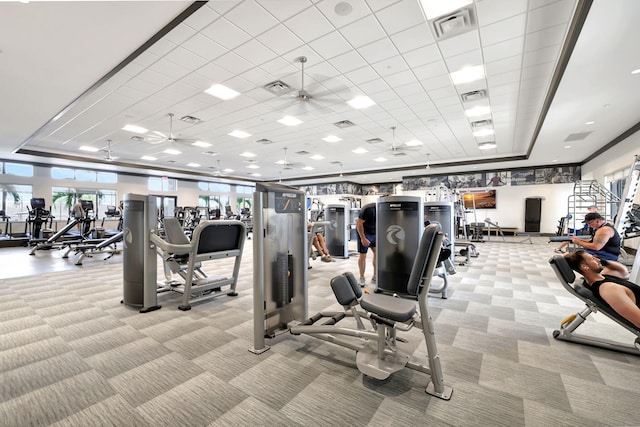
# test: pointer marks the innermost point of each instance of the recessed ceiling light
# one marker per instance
(88, 148)
(317, 157)
(591, 122)
(360, 102)
(567, 146)
(253, 166)
(359, 150)
(255, 174)
(201, 144)
(435, 8)
(135, 129)
(247, 154)
(413, 143)
(467, 75)
(308, 168)
(289, 121)
(554, 160)
(332, 138)
(379, 159)
(193, 165)
(636, 71)
(172, 151)
(239, 134)
(487, 145)
(481, 110)
(150, 158)
(227, 170)
(483, 132)
(222, 92)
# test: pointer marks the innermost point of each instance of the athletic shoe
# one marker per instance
(363, 282)
(374, 280)
(326, 258)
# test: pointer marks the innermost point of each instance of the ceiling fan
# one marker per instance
(109, 157)
(319, 100)
(401, 149)
(287, 165)
(160, 137)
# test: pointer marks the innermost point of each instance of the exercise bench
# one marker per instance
(570, 324)
(211, 240)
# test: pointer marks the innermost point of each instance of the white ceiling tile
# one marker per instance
(503, 50)
(466, 42)
(444, 97)
(280, 39)
(359, 9)
(400, 16)
(497, 10)
(251, 17)
(413, 38)
(541, 56)
(503, 65)
(161, 47)
(348, 62)
(431, 70)
(378, 51)
(435, 82)
(423, 55)
(255, 52)
(225, 33)
(409, 90)
(376, 5)
(330, 45)
(545, 38)
(185, 58)
(283, 10)
(204, 17)
(204, 47)
(503, 30)
(180, 33)
(363, 31)
(299, 25)
(390, 66)
(467, 59)
(234, 63)
(215, 73)
(400, 78)
(145, 59)
(550, 15)
(362, 75)
(170, 69)
(504, 78)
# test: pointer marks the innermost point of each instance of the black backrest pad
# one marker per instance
(426, 257)
(174, 233)
(562, 269)
(342, 290)
(354, 283)
(218, 237)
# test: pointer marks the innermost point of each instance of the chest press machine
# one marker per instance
(567, 327)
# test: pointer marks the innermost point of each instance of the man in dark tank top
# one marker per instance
(606, 241)
(607, 281)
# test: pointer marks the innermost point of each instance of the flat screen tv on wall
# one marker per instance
(480, 200)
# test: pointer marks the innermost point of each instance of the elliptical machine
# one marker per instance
(38, 219)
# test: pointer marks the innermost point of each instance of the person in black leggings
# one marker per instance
(607, 281)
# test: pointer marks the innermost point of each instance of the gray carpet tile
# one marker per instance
(72, 355)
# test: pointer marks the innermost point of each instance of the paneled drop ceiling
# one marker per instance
(550, 82)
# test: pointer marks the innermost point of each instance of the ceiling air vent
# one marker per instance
(336, 163)
(455, 23)
(191, 119)
(303, 153)
(264, 141)
(136, 138)
(374, 140)
(211, 153)
(481, 124)
(474, 95)
(344, 124)
(577, 136)
(278, 87)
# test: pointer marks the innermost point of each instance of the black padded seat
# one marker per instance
(396, 309)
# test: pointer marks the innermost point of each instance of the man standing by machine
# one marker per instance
(77, 212)
(366, 227)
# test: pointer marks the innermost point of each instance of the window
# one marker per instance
(16, 200)
(18, 169)
(62, 173)
(108, 177)
(163, 184)
(83, 175)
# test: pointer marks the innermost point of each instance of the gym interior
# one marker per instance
(187, 289)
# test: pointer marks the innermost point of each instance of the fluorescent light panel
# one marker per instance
(89, 149)
(487, 145)
(222, 92)
(360, 150)
(149, 158)
(481, 110)
(467, 75)
(172, 151)
(483, 132)
(201, 144)
(332, 138)
(247, 154)
(317, 157)
(253, 167)
(413, 143)
(289, 121)
(135, 129)
(379, 159)
(360, 102)
(239, 134)
(193, 165)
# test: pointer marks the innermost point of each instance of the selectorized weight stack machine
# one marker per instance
(337, 235)
(279, 261)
